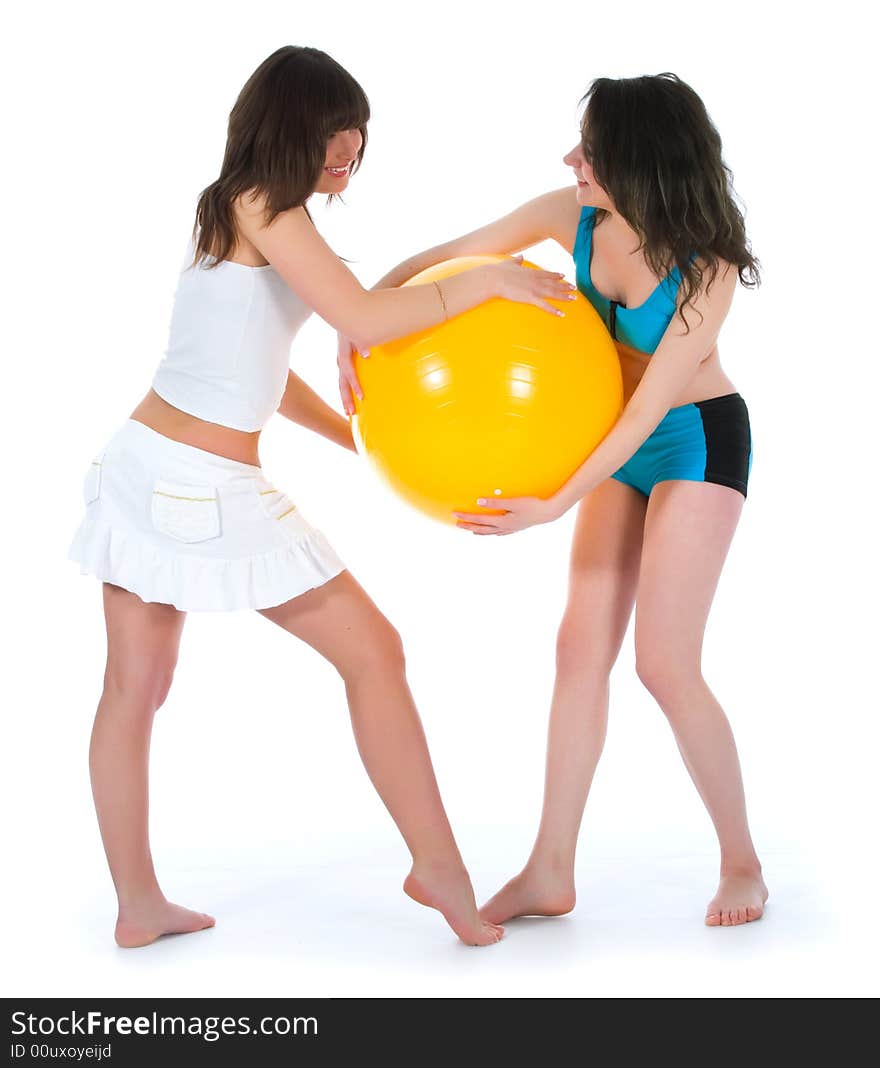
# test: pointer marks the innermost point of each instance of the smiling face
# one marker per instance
(589, 192)
(342, 150)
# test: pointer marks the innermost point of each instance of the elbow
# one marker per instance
(361, 326)
(366, 335)
(642, 417)
(374, 322)
(363, 342)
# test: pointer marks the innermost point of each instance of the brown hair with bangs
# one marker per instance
(276, 142)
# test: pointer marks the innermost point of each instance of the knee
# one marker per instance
(139, 687)
(163, 685)
(580, 652)
(569, 647)
(666, 673)
(381, 652)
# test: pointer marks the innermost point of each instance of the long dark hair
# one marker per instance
(276, 142)
(655, 150)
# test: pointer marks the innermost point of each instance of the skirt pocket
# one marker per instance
(92, 481)
(185, 512)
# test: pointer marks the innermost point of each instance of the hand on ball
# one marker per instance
(519, 513)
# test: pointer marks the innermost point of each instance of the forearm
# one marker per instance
(672, 366)
(633, 427)
(392, 313)
(302, 405)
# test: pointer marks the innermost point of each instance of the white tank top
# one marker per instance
(229, 342)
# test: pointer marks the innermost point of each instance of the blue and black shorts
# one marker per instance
(709, 441)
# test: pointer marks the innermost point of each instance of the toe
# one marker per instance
(754, 912)
(713, 919)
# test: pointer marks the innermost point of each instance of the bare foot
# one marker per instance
(141, 926)
(740, 899)
(449, 891)
(534, 892)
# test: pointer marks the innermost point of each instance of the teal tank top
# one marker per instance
(641, 327)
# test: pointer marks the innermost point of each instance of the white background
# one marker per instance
(114, 120)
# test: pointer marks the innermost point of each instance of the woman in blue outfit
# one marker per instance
(659, 246)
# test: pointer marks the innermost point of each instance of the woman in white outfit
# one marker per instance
(180, 517)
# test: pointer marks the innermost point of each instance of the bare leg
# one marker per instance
(688, 531)
(340, 621)
(142, 644)
(604, 569)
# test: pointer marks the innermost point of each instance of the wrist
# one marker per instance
(345, 434)
(562, 500)
(491, 278)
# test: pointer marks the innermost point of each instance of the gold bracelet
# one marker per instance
(442, 301)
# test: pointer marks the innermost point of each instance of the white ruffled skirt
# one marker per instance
(181, 526)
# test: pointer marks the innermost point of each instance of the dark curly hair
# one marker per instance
(655, 150)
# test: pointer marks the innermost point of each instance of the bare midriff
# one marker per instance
(709, 381)
(165, 419)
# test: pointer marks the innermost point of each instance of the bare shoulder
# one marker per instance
(250, 204)
(722, 280)
(563, 215)
(564, 202)
(716, 280)
(252, 216)
(712, 300)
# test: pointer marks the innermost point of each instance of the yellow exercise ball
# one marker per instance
(503, 399)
